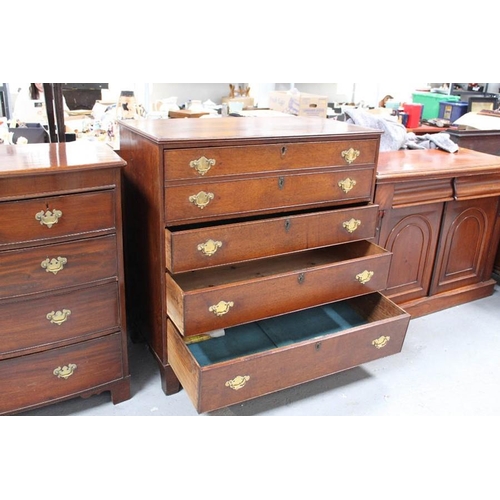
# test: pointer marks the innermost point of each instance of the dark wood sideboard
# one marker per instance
(439, 216)
(62, 293)
(250, 261)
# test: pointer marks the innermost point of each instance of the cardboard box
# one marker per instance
(298, 103)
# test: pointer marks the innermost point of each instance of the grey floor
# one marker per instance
(449, 366)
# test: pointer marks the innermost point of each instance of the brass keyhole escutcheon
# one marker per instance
(350, 155)
(283, 151)
(300, 278)
(346, 184)
(281, 182)
(202, 165)
(202, 199)
(318, 346)
(288, 225)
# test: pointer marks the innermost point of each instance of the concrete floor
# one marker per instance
(449, 366)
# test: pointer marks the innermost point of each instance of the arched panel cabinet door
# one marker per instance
(465, 243)
(411, 234)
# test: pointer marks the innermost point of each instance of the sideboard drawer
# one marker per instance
(47, 267)
(191, 249)
(59, 373)
(270, 355)
(56, 216)
(224, 161)
(56, 318)
(215, 298)
(202, 201)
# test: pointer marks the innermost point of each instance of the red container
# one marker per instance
(414, 112)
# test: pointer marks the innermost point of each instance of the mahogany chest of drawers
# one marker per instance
(62, 292)
(248, 256)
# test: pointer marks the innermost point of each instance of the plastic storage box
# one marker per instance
(452, 110)
(431, 101)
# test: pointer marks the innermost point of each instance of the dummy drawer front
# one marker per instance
(230, 243)
(204, 201)
(24, 323)
(48, 267)
(30, 380)
(267, 368)
(40, 219)
(215, 298)
(234, 160)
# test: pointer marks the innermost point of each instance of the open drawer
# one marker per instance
(225, 296)
(280, 352)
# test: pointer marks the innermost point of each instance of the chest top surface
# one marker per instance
(245, 130)
(414, 164)
(32, 159)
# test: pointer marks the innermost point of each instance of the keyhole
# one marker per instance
(281, 182)
(318, 346)
(301, 278)
(288, 224)
(283, 151)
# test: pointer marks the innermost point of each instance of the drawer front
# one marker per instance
(43, 268)
(217, 298)
(56, 216)
(246, 377)
(223, 161)
(57, 318)
(58, 373)
(215, 200)
(226, 244)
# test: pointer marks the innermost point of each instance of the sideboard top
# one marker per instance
(181, 131)
(413, 164)
(41, 158)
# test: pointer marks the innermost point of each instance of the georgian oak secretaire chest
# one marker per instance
(249, 263)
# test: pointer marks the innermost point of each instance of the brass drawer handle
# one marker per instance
(365, 276)
(238, 382)
(221, 308)
(350, 155)
(202, 199)
(346, 184)
(65, 372)
(209, 247)
(54, 265)
(48, 218)
(59, 317)
(351, 225)
(381, 342)
(202, 165)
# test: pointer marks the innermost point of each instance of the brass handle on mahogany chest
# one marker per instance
(202, 199)
(209, 247)
(350, 155)
(221, 308)
(381, 342)
(365, 276)
(65, 372)
(346, 184)
(54, 265)
(58, 317)
(48, 218)
(351, 225)
(202, 165)
(238, 382)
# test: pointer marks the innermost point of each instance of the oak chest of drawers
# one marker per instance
(62, 297)
(248, 256)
